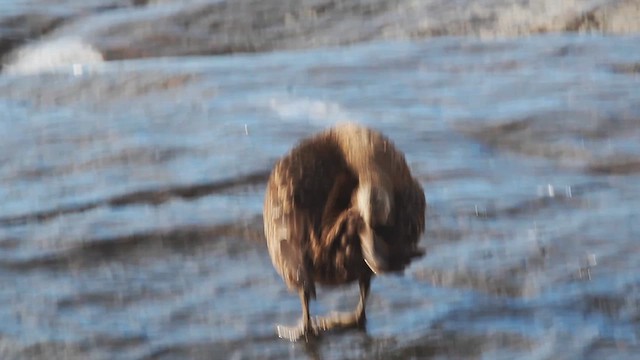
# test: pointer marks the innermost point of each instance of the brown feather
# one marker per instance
(311, 218)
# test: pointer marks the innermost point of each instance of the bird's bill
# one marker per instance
(374, 251)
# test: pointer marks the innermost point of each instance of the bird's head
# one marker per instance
(375, 205)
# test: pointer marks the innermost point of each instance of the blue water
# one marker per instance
(526, 147)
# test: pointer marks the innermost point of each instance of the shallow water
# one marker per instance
(132, 192)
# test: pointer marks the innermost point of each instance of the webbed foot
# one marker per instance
(296, 333)
(340, 321)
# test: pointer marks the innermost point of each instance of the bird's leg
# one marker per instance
(356, 319)
(360, 314)
(307, 326)
(305, 329)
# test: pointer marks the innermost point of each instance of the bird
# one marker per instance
(341, 206)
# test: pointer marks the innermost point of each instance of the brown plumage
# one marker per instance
(341, 207)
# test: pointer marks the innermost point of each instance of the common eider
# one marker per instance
(341, 207)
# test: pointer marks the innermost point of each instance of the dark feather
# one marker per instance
(311, 224)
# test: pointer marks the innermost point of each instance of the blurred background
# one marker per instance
(137, 136)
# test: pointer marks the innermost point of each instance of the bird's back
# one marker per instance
(295, 200)
(301, 182)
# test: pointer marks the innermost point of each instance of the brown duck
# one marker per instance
(339, 208)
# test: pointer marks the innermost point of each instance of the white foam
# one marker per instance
(317, 111)
(66, 55)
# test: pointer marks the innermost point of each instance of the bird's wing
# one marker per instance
(287, 228)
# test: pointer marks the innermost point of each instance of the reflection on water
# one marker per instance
(132, 192)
